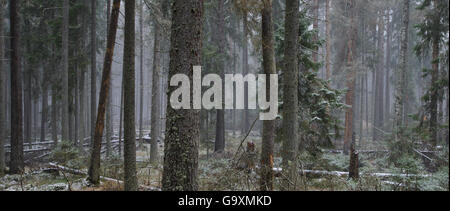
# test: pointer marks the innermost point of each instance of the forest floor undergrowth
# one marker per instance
(217, 172)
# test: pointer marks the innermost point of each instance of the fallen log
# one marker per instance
(49, 149)
(69, 170)
(83, 173)
(33, 144)
(373, 151)
(278, 172)
(31, 150)
(423, 155)
(113, 140)
(38, 143)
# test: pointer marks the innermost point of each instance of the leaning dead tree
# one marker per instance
(94, 168)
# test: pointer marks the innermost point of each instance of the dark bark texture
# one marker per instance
(65, 73)
(16, 161)
(266, 177)
(290, 94)
(129, 98)
(219, 145)
(182, 126)
(2, 98)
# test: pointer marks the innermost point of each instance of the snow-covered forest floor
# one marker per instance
(325, 170)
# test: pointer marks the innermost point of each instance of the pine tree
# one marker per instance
(129, 97)
(109, 110)
(268, 135)
(221, 39)
(401, 74)
(349, 96)
(328, 40)
(432, 31)
(2, 97)
(290, 94)
(156, 92)
(315, 28)
(16, 161)
(182, 126)
(141, 71)
(93, 43)
(379, 78)
(65, 72)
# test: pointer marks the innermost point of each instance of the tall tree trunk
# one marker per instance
(141, 72)
(447, 116)
(65, 72)
(129, 98)
(2, 98)
(72, 103)
(328, 40)
(266, 181)
(7, 93)
(44, 110)
(365, 77)
(354, 161)
(374, 75)
(155, 112)
(94, 168)
(219, 145)
(26, 93)
(82, 81)
(166, 7)
(55, 108)
(16, 161)
(349, 96)
(121, 118)
(182, 135)
(366, 83)
(361, 107)
(35, 119)
(362, 79)
(235, 65)
(75, 109)
(379, 94)
(27, 100)
(290, 95)
(316, 28)
(246, 119)
(434, 92)
(75, 98)
(93, 68)
(82, 131)
(54, 116)
(436, 38)
(109, 129)
(387, 95)
(440, 112)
